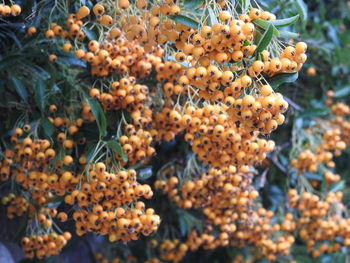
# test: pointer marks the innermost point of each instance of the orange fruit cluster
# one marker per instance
(320, 224)
(226, 197)
(217, 192)
(175, 250)
(42, 246)
(334, 137)
(16, 205)
(29, 164)
(341, 121)
(213, 136)
(333, 140)
(117, 54)
(136, 144)
(107, 194)
(126, 94)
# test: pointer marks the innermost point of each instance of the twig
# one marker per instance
(263, 177)
(274, 160)
(293, 104)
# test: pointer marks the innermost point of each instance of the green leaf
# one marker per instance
(258, 36)
(212, 17)
(265, 24)
(145, 173)
(37, 71)
(337, 186)
(244, 5)
(7, 62)
(71, 61)
(302, 9)
(48, 127)
(303, 259)
(265, 39)
(184, 20)
(193, 4)
(99, 115)
(285, 22)
(288, 34)
(183, 226)
(116, 147)
(313, 112)
(20, 89)
(343, 92)
(39, 92)
(281, 78)
(89, 33)
(55, 201)
(313, 176)
(21, 228)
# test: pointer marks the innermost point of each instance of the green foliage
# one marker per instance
(184, 20)
(265, 39)
(99, 115)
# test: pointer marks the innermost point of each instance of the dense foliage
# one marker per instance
(175, 131)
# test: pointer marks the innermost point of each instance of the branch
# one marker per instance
(274, 160)
(293, 104)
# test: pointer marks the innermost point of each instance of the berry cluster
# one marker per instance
(6, 10)
(323, 230)
(137, 145)
(105, 193)
(16, 205)
(42, 246)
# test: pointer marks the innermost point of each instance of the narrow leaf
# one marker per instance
(47, 126)
(39, 92)
(184, 20)
(288, 34)
(265, 39)
(244, 5)
(145, 173)
(313, 112)
(313, 176)
(302, 8)
(12, 60)
(343, 92)
(99, 115)
(303, 259)
(20, 228)
(116, 147)
(20, 89)
(89, 34)
(55, 201)
(265, 24)
(72, 61)
(281, 78)
(337, 186)
(183, 226)
(193, 4)
(212, 17)
(285, 22)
